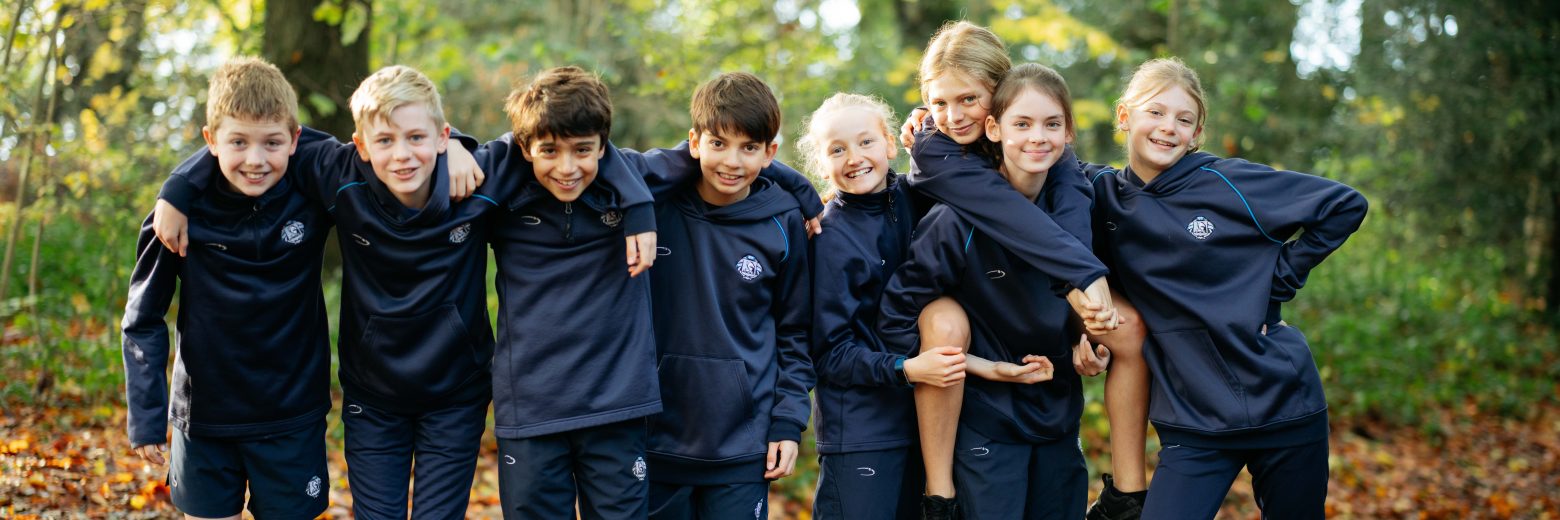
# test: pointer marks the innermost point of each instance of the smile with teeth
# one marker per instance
(567, 184)
(858, 173)
(404, 173)
(1163, 143)
(729, 177)
(255, 176)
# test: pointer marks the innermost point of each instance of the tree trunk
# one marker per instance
(310, 53)
(29, 150)
(92, 30)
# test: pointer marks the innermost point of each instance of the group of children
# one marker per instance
(680, 392)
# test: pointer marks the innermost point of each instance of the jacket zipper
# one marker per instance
(568, 221)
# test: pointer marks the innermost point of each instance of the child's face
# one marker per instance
(403, 149)
(1032, 132)
(252, 154)
(959, 105)
(564, 165)
(729, 161)
(1160, 131)
(856, 150)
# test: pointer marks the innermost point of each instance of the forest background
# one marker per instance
(1434, 327)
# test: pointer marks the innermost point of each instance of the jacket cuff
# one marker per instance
(784, 430)
(639, 218)
(1274, 313)
(179, 193)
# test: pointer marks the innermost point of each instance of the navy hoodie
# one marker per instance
(1204, 253)
(733, 305)
(863, 403)
(253, 349)
(944, 171)
(575, 347)
(1014, 310)
(414, 334)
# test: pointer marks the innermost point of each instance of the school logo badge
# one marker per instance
(612, 218)
(758, 509)
(459, 234)
(292, 232)
(1200, 228)
(639, 469)
(313, 489)
(749, 268)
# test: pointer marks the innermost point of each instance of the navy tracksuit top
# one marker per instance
(733, 306)
(1014, 309)
(575, 347)
(1204, 253)
(253, 346)
(863, 403)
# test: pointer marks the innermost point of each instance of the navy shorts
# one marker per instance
(870, 485)
(381, 446)
(1192, 482)
(285, 473)
(709, 502)
(601, 466)
(1028, 481)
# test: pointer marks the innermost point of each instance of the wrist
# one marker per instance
(899, 370)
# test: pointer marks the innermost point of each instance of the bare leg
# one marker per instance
(1126, 399)
(942, 323)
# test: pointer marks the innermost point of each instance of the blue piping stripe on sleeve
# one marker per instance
(338, 193)
(1244, 202)
(786, 239)
(484, 197)
(968, 239)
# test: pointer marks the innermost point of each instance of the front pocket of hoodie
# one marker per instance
(1300, 391)
(1207, 396)
(414, 357)
(707, 409)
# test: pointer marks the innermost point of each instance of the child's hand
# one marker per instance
(911, 126)
(814, 226)
(465, 175)
(641, 253)
(1034, 370)
(171, 226)
(1090, 361)
(941, 367)
(782, 459)
(1095, 306)
(152, 453)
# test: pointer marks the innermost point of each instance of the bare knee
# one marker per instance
(943, 322)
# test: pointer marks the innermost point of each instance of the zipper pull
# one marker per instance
(568, 221)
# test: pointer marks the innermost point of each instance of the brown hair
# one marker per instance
(736, 101)
(560, 102)
(1157, 75)
(809, 144)
(968, 49)
(394, 87)
(250, 88)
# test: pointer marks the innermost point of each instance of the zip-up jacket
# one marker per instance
(253, 346)
(1204, 253)
(733, 305)
(414, 333)
(944, 171)
(1013, 312)
(863, 403)
(575, 347)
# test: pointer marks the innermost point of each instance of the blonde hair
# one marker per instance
(1160, 74)
(968, 49)
(394, 87)
(810, 145)
(250, 88)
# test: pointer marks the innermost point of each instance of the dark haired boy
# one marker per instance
(734, 301)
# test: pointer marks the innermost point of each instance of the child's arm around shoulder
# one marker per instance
(153, 283)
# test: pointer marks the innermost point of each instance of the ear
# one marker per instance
(211, 141)
(362, 148)
(769, 153)
(1121, 117)
(525, 151)
(444, 139)
(993, 130)
(693, 143)
(296, 134)
(893, 148)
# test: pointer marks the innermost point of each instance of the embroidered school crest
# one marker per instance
(639, 469)
(313, 489)
(1200, 228)
(459, 234)
(612, 218)
(292, 232)
(749, 268)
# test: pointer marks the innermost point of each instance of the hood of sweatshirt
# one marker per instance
(765, 200)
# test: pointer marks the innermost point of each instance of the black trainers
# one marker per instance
(1115, 505)
(934, 507)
